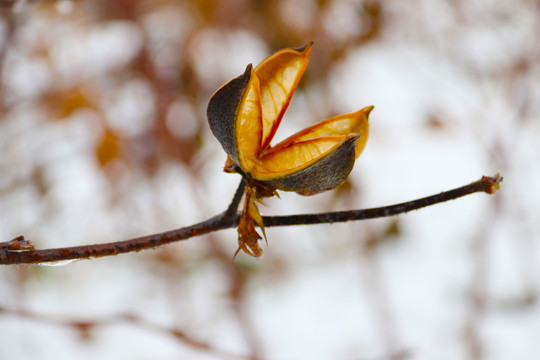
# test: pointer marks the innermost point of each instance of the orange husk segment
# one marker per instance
(279, 76)
(356, 122)
(249, 126)
(285, 160)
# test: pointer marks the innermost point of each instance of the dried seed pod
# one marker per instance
(244, 115)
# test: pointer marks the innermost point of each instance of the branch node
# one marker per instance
(18, 244)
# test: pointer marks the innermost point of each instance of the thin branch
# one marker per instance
(231, 211)
(8, 256)
(486, 184)
(21, 251)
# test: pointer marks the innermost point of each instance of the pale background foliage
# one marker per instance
(103, 137)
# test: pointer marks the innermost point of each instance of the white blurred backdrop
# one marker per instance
(103, 137)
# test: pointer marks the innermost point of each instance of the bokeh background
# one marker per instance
(103, 137)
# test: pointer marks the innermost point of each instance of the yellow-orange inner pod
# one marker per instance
(356, 122)
(248, 126)
(295, 157)
(279, 76)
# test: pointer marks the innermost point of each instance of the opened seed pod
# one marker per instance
(245, 113)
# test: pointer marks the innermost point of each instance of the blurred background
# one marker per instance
(103, 137)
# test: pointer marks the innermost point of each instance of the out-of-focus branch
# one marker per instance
(21, 251)
(84, 326)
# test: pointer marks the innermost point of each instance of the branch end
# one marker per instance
(492, 184)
